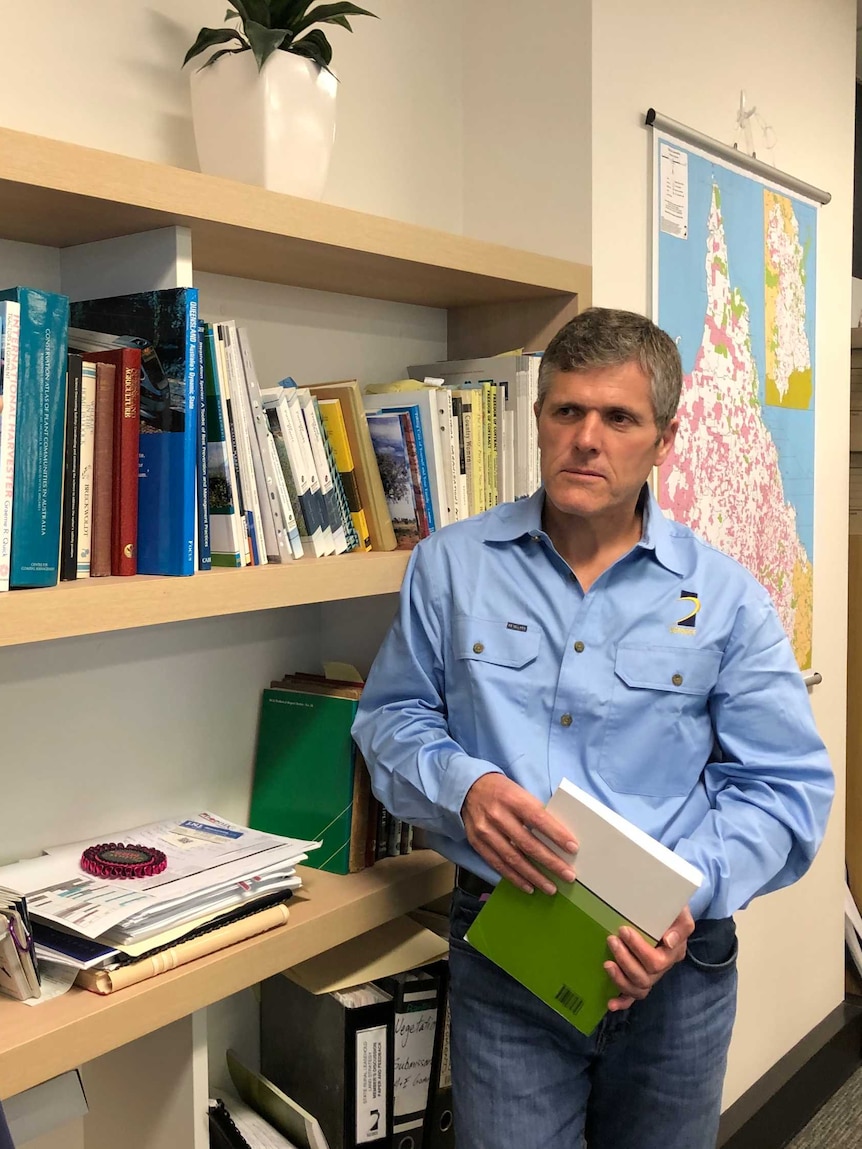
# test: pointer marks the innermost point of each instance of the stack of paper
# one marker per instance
(216, 872)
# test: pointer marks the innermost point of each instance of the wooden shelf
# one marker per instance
(94, 606)
(61, 194)
(41, 1041)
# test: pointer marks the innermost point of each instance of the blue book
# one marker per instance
(204, 551)
(39, 436)
(164, 324)
(416, 419)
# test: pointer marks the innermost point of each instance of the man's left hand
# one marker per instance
(637, 965)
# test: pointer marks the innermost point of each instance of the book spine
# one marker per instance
(127, 415)
(71, 471)
(261, 503)
(422, 461)
(351, 538)
(333, 421)
(203, 483)
(8, 414)
(85, 473)
(188, 493)
(232, 435)
(226, 535)
(288, 516)
(415, 478)
(324, 474)
(103, 471)
(299, 453)
(40, 428)
(265, 472)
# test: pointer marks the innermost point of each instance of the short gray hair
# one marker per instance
(603, 337)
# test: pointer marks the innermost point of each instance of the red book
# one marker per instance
(124, 525)
(103, 470)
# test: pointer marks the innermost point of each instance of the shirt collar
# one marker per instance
(515, 520)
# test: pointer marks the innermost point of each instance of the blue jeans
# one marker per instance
(647, 1078)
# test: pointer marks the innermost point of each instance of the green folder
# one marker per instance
(556, 946)
(304, 770)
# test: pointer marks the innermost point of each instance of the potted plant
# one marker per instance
(263, 101)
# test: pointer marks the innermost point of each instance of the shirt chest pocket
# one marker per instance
(493, 661)
(658, 734)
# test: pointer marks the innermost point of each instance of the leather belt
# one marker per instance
(471, 884)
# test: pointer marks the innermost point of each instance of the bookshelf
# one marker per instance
(38, 1042)
(61, 195)
(97, 606)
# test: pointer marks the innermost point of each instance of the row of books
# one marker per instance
(137, 438)
(311, 781)
(454, 439)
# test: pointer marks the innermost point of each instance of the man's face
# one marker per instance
(598, 440)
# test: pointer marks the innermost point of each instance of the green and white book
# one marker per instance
(557, 946)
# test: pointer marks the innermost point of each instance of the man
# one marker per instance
(580, 633)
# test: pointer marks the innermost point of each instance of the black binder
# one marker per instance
(439, 1130)
(416, 999)
(335, 1061)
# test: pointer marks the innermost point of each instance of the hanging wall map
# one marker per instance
(734, 284)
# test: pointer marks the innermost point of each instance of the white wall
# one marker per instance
(108, 75)
(527, 102)
(795, 59)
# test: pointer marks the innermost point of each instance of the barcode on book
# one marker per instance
(569, 1000)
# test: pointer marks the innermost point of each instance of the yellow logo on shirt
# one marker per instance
(690, 604)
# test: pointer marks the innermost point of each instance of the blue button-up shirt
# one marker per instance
(669, 691)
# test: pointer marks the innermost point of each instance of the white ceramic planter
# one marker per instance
(275, 128)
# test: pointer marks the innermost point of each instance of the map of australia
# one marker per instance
(735, 289)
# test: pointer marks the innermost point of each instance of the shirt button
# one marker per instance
(566, 720)
(677, 680)
(478, 647)
(579, 647)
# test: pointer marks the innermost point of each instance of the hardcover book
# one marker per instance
(71, 469)
(164, 325)
(556, 946)
(304, 774)
(227, 533)
(39, 436)
(9, 330)
(103, 470)
(393, 462)
(101, 347)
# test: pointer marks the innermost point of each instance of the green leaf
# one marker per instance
(264, 41)
(222, 52)
(209, 37)
(315, 46)
(331, 14)
(254, 11)
(286, 13)
(231, 15)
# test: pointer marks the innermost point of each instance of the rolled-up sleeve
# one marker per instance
(770, 785)
(418, 771)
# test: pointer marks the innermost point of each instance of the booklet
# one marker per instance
(556, 946)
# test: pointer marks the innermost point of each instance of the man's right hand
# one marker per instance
(498, 815)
